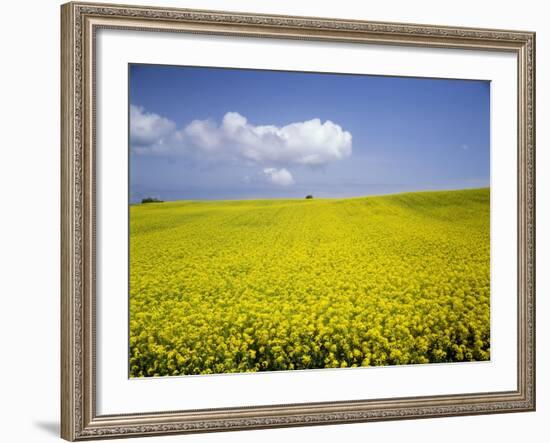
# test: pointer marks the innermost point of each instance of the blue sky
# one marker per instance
(209, 133)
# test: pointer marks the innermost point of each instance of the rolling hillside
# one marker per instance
(236, 286)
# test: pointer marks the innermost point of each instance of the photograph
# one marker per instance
(287, 220)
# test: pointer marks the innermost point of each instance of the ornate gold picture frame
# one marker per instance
(80, 22)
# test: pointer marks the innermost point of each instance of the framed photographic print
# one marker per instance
(282, 221)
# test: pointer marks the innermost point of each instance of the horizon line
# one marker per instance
(427, 191)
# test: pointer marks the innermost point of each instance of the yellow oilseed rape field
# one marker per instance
(267, 285)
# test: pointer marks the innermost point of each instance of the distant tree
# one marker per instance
(150, 200)
(309, 196)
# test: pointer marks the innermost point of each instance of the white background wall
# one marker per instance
(29, 218)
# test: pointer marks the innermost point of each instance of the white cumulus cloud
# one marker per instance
(280, 177)
(311, 142)
(147, 128)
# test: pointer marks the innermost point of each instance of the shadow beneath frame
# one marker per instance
(50, 427)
